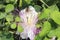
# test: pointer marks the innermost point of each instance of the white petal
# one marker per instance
(31, 8)
(31, 35)
(24, 35)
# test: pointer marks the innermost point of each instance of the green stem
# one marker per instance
(44, 3)
(20, 3)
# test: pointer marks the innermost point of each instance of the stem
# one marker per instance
(44, 3)
(20, 3)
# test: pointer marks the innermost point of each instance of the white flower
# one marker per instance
(29, 19)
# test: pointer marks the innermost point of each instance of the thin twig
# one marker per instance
(44, 3)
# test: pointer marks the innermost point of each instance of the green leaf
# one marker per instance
(2, 6)
(9, 17)
(20, 28)
(7, 23)
(58, 38)
(38, 25)
(53, 8)
(47, 11)
(13, 26)
(55, 32)
(52, 33)
(28, 1)
(5, 38)
(17, 19)
(9, 8)
(37, 8)
(7, 1)
(56, 16)
(0, 38)
(13, 0)
(2, 15)
(37, 37)
(46, 28)
(0, 33)
(46, 38)
(44, 14)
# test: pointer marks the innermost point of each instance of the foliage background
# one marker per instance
(49, 18)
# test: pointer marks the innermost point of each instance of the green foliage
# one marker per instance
(37, 37)
(38, 25)
(20, 3)
(13, 26)
(17, 19)
(2, 6)
(57, 32)
(28, 1)
(59, 38)
(2, 15)
(8, 1)
(20, 28)
(9, 8)
(37, 8)
(48, 18)
(53, 7)
(46, 38)
(55, 17)
(54, 33)
(9, 17)
(6, 36)
(45, 13)
(46, 28)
